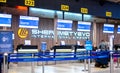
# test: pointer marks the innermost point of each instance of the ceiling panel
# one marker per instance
(116, 1)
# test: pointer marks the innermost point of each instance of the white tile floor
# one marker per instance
(60, 68)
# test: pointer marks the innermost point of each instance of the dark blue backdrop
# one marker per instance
(6, 42)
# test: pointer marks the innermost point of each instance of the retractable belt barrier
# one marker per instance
(58, 56)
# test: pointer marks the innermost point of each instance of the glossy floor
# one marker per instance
(60, 68)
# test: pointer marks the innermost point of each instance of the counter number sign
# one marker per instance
(65, 7)
(3, 1)
(84, 10)
(108, 14)
(30, 2)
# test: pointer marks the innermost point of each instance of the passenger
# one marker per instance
(102, 62)
(103, 45)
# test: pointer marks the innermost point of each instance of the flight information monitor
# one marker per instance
(118, 30)
(5, 20)
(108, 28)
(28, 22)
(83, 26)
(64, 24)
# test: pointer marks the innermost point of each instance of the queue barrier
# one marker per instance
(23, 57)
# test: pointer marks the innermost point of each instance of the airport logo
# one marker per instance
(22, 33)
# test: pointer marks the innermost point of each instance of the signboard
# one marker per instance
(6, 42)
(5, 20)
(28, 22)
(64, 24)
(118, 30)
(108, 28)
(29, 2)
(37, 33)
(88, 45)
(84, 10)
(65, 7)
(3, 1)
(108, 14)
(83, 26)
(22, 33)
(43, 46)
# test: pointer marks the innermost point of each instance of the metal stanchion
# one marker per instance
(111, 53)
(5, 63)
(32, 65)
(85, 62)
(43, 68)
(118, 65)
(111, 63)
(89, 68)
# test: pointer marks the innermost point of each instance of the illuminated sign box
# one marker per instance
(64, 24)
(83, 26)
(5, 20)
(118, 30)
(108, 28)
(28, 22)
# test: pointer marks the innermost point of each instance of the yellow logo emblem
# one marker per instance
(22, 33)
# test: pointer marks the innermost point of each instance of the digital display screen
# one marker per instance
(64, 24)
(5, 20)
(83, 26)
(118, 31)
(28, 22)
(108, 28)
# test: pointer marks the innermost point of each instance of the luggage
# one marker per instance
(101, 62)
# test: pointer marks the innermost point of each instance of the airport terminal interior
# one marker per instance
(59, 36)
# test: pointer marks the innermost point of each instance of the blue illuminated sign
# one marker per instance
(6, 41)
(118, 31)
(28, 22)
(108, 28)
(83, 26)
(43, 46)
(88, 45)
(64, 25)
(5, 20)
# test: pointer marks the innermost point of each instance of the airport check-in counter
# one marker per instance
(28, 49)
(62, 49)
(79, 50)
(69, 49)
(117, 49)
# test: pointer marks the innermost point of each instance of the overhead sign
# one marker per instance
(28, 22)
(64, 24)
(84, 10)
(30, 2)
(6, 42)
(3, 1)
(5, 20)
(83, 26)
(65, 7)
(108, 14)
(108, 28)
(118, 30)
(22, 33)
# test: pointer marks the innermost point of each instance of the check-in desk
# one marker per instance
(28, 49)
(62, 49)
(117, 52)
(117, 47)
(79, 50)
